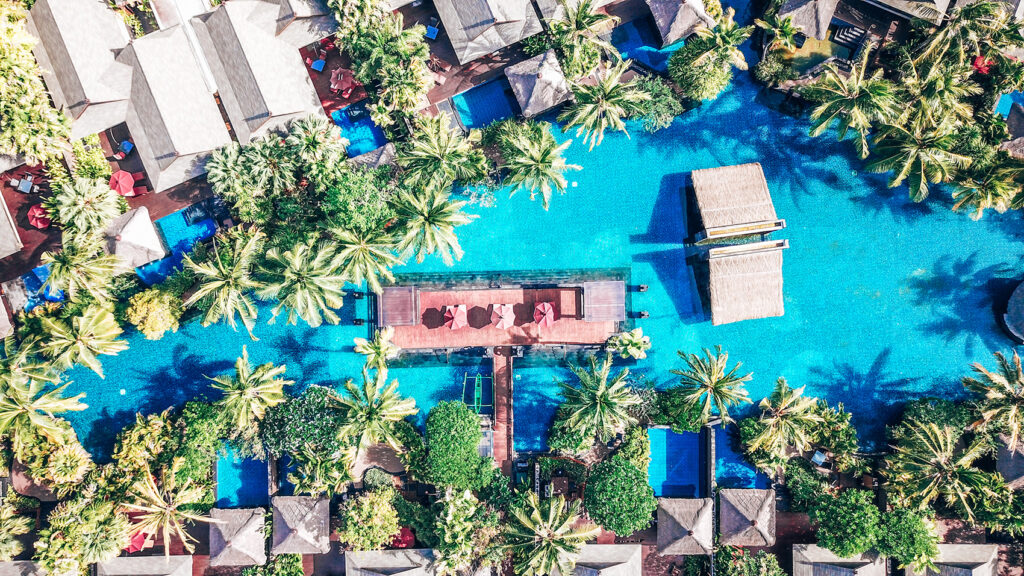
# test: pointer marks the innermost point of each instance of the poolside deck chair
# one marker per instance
(138, 176)
(140, 191)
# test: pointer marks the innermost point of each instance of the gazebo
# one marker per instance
(133, 238)
(813, 560)
(539, 84)
(734, 201)
(236, 537)
(746, 517)
(415, 562)
(963, 560)
(686, 526)
(301, 525)
(678, 19)
(745, 281)
(145, 566)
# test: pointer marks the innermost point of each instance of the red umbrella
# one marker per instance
(544, 314)
(503, 316)
(122, 183)
(455, 317)
(404, 539)
(137, 542)
(342, 79)
(39, 217)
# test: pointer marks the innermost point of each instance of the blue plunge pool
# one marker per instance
(731, 468)
(486, 103)
(676, 464)
(638, 40)
(359, 129)
(181, 231)
(241, 482)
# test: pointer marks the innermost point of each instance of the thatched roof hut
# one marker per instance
(538, 83)
(376, 562)
(963, 560)
(686, 526)
(734, 201)
(811, 17)
(236, 538)
(813, 560)
(1010, 463)
(146, 566)
(301, 525)
(745, 281)
(678, 19)
(609, 560)
(746, 517)
(133, 238)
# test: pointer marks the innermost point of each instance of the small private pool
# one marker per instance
(676, 463)
(34, 293)
(181, 231)
(731, 469)
(1006, 101)
(359, 129)
(486, 103)
(638, 40)
(241, 482)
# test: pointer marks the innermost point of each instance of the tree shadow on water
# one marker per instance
(668, 223)
(679, 279)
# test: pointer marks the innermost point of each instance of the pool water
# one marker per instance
(241, 482)
(483, 104)
(359, 129)
(1006, 101)
(676, 462)
(731, 469)
(180, 234)
(34, 293)
(638, 40)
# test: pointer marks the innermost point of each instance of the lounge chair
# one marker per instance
(139, 191)
(138, 176)
(13, 183)
(35, 188)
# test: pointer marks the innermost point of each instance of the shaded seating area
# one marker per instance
(398, 306)
(745, 281)
(610, 560)
(813, 560)
(746, 517)
(301, 525)
(604, 301)
(416, 562)
(133, 238)
(734, 201)
(686, 526)
(236, 537)
(678, 19)
(146, 566)
(539, 84)
(962, 560)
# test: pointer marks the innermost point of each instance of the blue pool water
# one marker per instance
(35, 295)
(675, 469)
(179, 237)
(241, 482)
(483, 104)
(359, 129)
(731, 469)
(639, 40)
(1006, 101)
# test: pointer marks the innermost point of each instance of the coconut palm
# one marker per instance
(437, 156)
(26, 409)
(938, 92)
(402, 88)
(597, 405)
(80, 267)
(306, 280)
(710, 386)
(780, 30)
(372, 410)
(576, 34)
(249, 392)
(317, 142)
(545, 535)
(724, 41)
(916, 155)
(630, 344)
(106, 531)
(535, 163)
(386, 43)
(12, 525)
(996, 188)
(970, 30)
(165, 508)
(270, 165)
(788, 419)
(84, 206)
(226, 282)
(317, 473)
(430, 218)
(379, 349)
(226, 171)
(855, 101)
(367, 256)
(21, 360)
(603, 105)
(1001, 396)
(83, 339)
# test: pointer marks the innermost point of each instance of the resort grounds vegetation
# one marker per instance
(453, 434)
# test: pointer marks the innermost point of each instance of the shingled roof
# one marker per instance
(813, 560)
(133, 238)
(478, 27)
(746, 517)
(811, 17)
(686, 526)
(237, 538)
(146, 566)
(677, 19)
(301, 525)
(538, 83)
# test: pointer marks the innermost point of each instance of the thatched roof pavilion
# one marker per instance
(1010, 463)
(813, 560)
(686, 526)
(746, 517)
(609, 560)
(678, 19)
(538, 83)
(745, 281)
(394, 562)
(398, 306)
(734, 201)
(133, 238)
(237, 538)
(301, 525)
(963, 560)
(146, 566)
(811, 17)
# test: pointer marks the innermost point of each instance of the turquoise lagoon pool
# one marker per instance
(241, 482)
(676, 464)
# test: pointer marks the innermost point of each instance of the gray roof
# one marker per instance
(261, 79)
(812, 17)
(1010, 464)
(677, 19)
(967, 559)
(478, 27)
(8, 162)
(538, 83)
(746, 517)
(1015, 124)
(686, 526)
(931, 10)
(383, 156)
(134, 239)
(608, 560)
(20, 568)
(236, 538)
(745, 281)
(10, 240)
(301, 525)
(300, 22)
(813, 560)
(146, 566)
(416, 562)
(552, 9)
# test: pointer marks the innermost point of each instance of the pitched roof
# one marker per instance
(677, 19)
(931, 10)
(745, 281)
(746, 517)
(686, 526)
(538, 83)
(1011, 464)
(479, 27)
(134, 239)
(1015, 124)
(146, 566)
(965, 559)
(301, 525)
(20, 568)
(383, 156)
(552, 9)
(812, 17)
(237, 539)
(10, 240)
(415, 562)
(813, 560)
(609, 560)
(735, 199)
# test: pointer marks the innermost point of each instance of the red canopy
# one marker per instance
(39, 217)
(122, 183)
(342, 79)
(137, 542)
(455, 317)
(404, 539)
(544, 314)
(503, 316)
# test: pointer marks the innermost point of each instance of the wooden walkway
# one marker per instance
(503, 416)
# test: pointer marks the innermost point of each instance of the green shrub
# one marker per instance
(773, 70)
(848, 523)
(465, 532)
(907, 537)
(749, 429)
(202, 431)
(537, 44)
(806, 487)
(566, 439)
(369, 521)
(155, 312)
(90, 160)
(659, 111)
(619, 498)
(938, 411)
(635, 448)
(281, 565)
(498, 493)
(675, 411)
(453, 434)
(414, 456)
(417, 517)
(837, 435)
(732, 561)
(376, 479)
(311, 418)
(699, 80)
(358, 200)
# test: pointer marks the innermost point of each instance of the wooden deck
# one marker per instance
(35, 241)
(503, 419)
(569, 326)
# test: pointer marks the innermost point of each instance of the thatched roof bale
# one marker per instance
(965, 559)
(236, 537)
(538, 83)
(813, 560)
(745, 281)
(746, 517)
(685, 526)
(301, 525)
(417, 562)
(609, 560)
(734, 196)
(678, 19)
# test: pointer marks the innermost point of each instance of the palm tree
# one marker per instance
(929, 463)
(20, 360)
(225, 283)
(271, 167)
(724, 41)
(318, 473)
(306, 280)
(430, 218)
(108, 531)
(1001, 395)
(25, 409)
(402, 88)
(367, 256)
(437, 156)
(378, 350)
(598, 406)
(84, 205)
(996, 188)
(917, 155)
(79, 267)
(630, 344)
(165, 508)
(12, 525)
(970, 30)
(248, 393)
(781, 31)
(535, 163)
(855, 101)
(710, 385)
(938, 91)
(545, 535)
(603, 105)
(317, 142)
(787, 418)
(372, 410)
(386, 43)
(84, 339)
(576, 35)
(227, 172)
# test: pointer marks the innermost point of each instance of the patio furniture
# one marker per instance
(126, 146)
(25, 186)
(122, 182)
(139, 191)
(318, 65)
(13, 182)
(431, 33)
(818, 458)
(39, 217)
(138, 176)
(438, 64)
(35, 189)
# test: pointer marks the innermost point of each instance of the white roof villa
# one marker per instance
(133, 238)
(746, 517)
(608, 560)
(146, 566)
(416, 562)
(538, 83)
(478, 27)
(301, 525)
(236, 537)
(813, 560)
(686, 526)
(678, 19)
(963, 560)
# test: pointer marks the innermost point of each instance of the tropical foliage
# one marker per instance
(533, 159)
(604, 104)
(82, 339)
(368, 521)
(12, 525)
(630, 344)
(27, 408)
(576, 36)
(466, 533)
(372, 410)
(710, 386)
(1000, 396)
(249, 393)
(155, 312)
(703, 66)
(909, 538)
(225, 281)
(379, 349)
(618, 497)
(84, 206)
(847, 523)
(453, 434)
(543, 535)
(164, 509)
(430, 218)
(79, 268)
(596, 406)
(438, 156)
(788, 419)
(306, 281)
